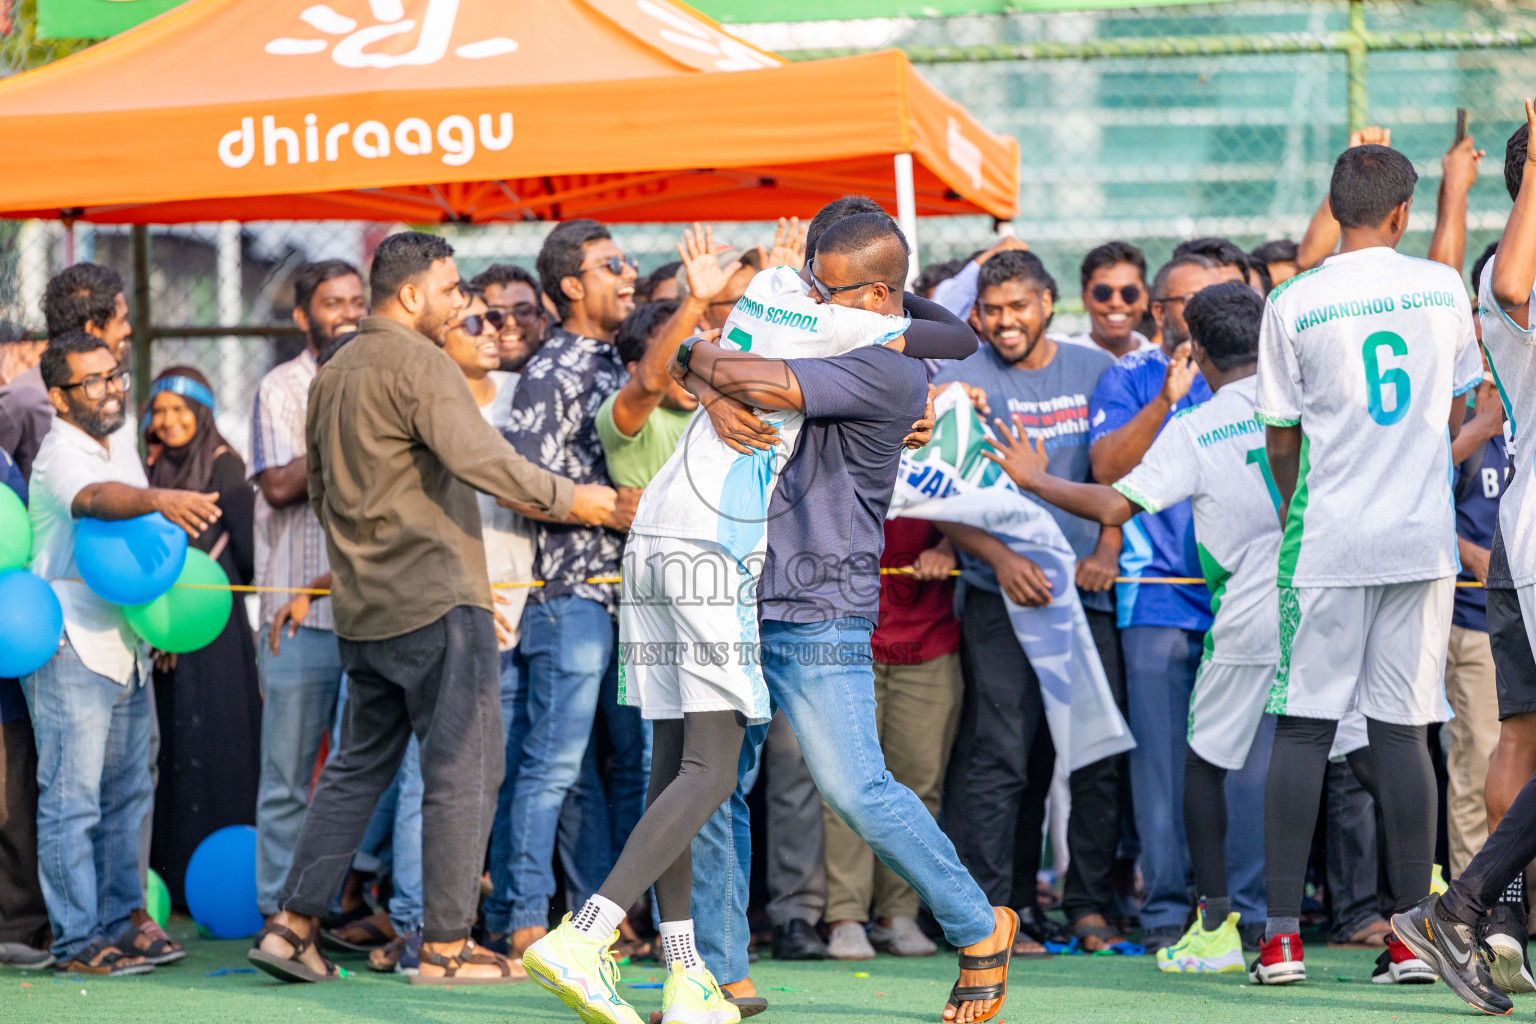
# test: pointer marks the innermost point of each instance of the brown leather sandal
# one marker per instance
(995, 993)
(470, 954)
(289, 968)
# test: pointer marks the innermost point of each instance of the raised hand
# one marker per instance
(1024, 463)
(1459, 165)
(1370, 135)
(1004, 244)
(788, 245)
(706, 278)
(1180, 376)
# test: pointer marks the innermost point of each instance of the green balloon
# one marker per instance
(185, 618)
(15, 531)
(158, 899)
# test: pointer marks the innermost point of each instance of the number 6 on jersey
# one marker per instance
(1395, 376)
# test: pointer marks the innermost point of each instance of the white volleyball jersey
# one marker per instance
(1213, 453)
(1512, 358)
(1366, 353)
(707, 491)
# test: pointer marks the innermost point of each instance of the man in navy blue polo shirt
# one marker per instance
(1163, 626)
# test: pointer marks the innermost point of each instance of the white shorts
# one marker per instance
(688, 637)
(1225, 710)
(1379, 650)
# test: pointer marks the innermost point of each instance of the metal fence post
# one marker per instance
(140, 316)
(1359, 94)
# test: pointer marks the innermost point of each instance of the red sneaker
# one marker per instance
(1399, 965)
(1279, 962)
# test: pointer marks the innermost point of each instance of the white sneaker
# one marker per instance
(582, 973)
(849, 942)
(693, 997)
(902, 938)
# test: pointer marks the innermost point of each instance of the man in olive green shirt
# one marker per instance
(396, 449)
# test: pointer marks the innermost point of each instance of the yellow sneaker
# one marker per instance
(582, 972)
(692, 997)
(1203, 952)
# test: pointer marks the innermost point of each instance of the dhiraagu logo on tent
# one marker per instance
(454, 139)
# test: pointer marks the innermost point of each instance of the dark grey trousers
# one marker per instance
(442, 683)
(797, 860)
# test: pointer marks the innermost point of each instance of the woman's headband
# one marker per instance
(186, 387)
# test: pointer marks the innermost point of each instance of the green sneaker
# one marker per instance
(692, 997)
(582, 972)
(1203, 952)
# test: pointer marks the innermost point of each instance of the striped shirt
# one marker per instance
(290, 542)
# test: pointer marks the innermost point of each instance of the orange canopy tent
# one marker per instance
(477, 111)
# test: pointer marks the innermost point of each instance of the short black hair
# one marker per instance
(1514, 159)
(935, 274)
(400, 258)
(1188, 259)
(561, 254)
(876, 245)
(634, 335)
(836, 210)
(1278, 250)
(504, 273)
(1221, 251)
(1369, 182)
(1110, 253)
(55, 362)
(1015, 265)
(1482, 261)
(310, 276)
(85, 293)
(1225, 319)
(662, 273)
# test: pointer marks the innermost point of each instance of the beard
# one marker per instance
(93, 421)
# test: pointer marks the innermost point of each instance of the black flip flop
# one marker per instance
(289, 968)
(748, 1006)
(377, 939)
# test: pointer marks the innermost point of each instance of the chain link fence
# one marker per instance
(1151, 125)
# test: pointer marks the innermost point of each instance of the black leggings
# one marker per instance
(693, 772)
(1205, 824)
(1404, 783)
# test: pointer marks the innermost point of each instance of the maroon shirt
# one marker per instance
(917, 618)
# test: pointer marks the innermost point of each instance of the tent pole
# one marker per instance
(140, 315)
(906, 209)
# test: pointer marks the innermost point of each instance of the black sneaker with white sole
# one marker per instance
(1505, 935)
(1451, 948)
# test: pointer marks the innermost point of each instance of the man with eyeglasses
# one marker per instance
(515, 310)
(1114, 279)
(1163, 627)
(569, 647)
(91, 711)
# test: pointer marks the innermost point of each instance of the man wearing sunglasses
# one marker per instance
(568, 653)
(515, 311)
(1114, 278)
(89, 704)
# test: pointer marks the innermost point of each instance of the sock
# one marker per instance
(677, 945)
(1514, 892)
(1281, 926)
(598, 918)
(1214, 911)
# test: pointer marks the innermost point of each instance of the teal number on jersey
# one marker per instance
(1395, 376)
(741, 338)
(1257, 457)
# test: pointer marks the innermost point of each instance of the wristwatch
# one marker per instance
(684, 353)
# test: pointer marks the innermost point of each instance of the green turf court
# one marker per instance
(1086, 989)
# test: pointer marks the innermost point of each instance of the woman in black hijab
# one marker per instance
(208, 701)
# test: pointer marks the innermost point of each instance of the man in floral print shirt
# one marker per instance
(568, 654)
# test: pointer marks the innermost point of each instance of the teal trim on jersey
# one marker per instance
(1509, 410)
(1280, 288)
(1216, 579)
(1135, 556)
(1467, 387)
(1290, 618)
(1290, 543)
(743, 508)
(1275, 421)
(1134, 496)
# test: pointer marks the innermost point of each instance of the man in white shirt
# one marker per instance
(300, 682)
(91, 714)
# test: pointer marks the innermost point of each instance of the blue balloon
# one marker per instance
(31, 623)
(130, 561)
(221, 883)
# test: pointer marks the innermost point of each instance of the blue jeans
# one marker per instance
(821, 674)
(597, 819)
(1160, 666)
(722, 872)
(299, 689)
(94, 792)
(569, 644)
